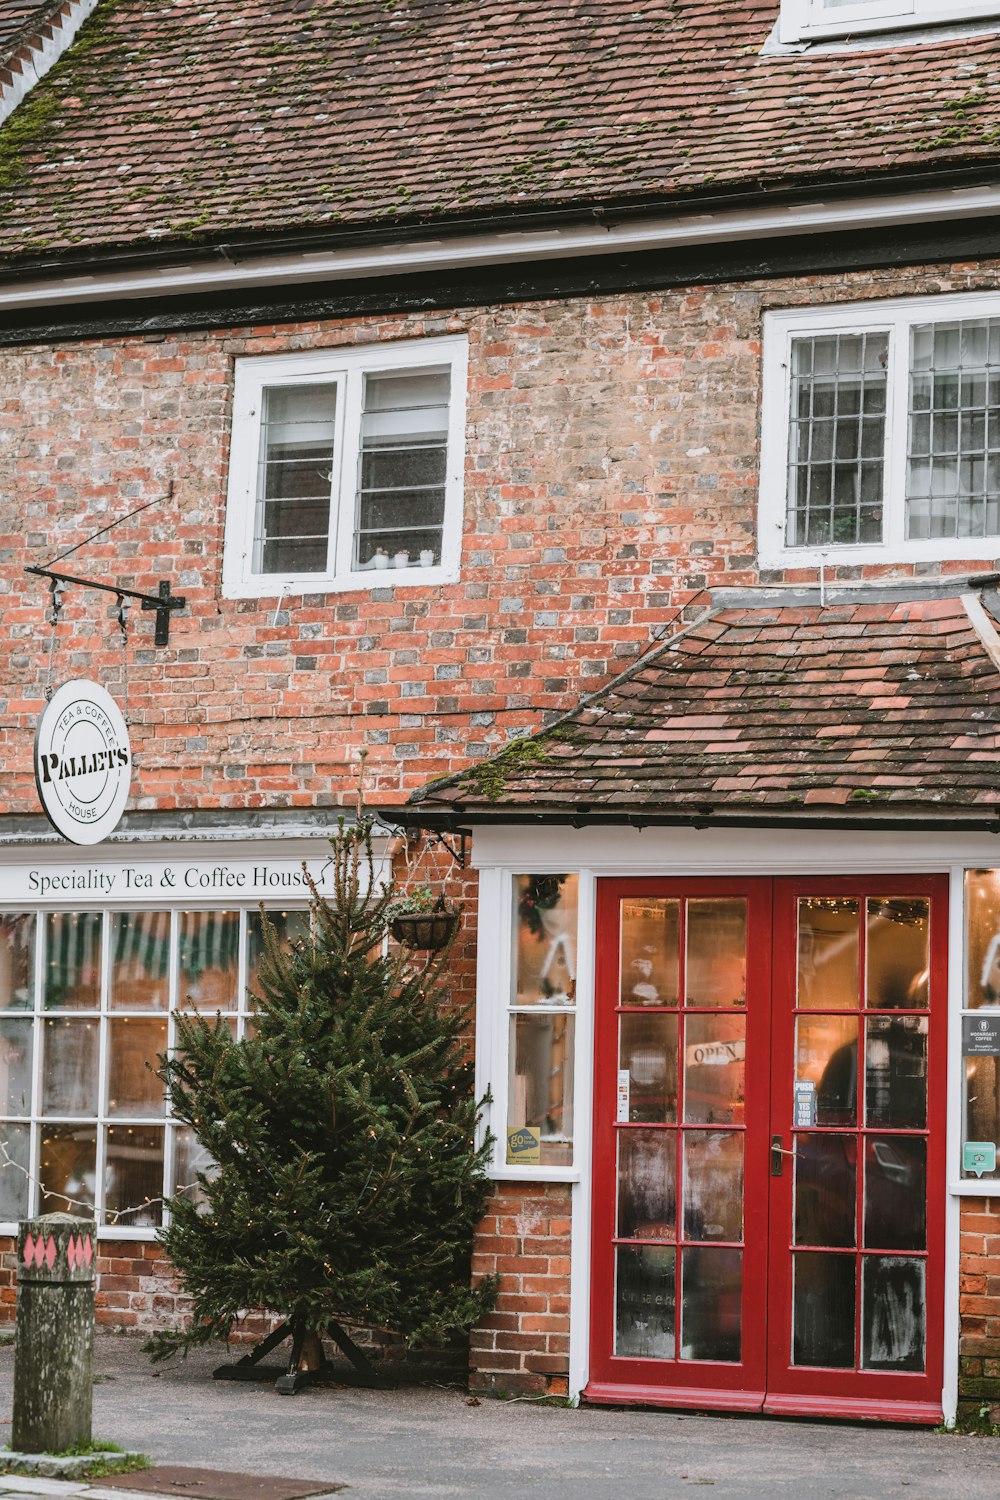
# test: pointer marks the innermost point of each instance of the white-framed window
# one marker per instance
(880, 432)
(805, 20)
(346, 468)
(87, 1002)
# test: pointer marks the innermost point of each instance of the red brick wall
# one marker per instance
(979, 1350)
(523, 1347)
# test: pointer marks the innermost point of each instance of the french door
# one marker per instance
(769, 1145)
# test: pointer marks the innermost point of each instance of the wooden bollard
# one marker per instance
(54, 1335)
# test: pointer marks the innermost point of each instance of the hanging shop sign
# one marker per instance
(83, 762)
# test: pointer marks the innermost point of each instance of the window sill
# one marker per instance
(533, 1174)
(104, 1232)
(272, 586)
(966, 549)
(985, 1187)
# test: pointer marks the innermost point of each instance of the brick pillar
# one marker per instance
(523, 1347)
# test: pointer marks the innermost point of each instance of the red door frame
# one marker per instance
(893, 1396)
(706, 1384)
(765, 1380)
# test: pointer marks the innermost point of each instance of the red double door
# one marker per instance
(769, 1169)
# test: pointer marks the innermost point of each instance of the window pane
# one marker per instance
(545, 939)
(73, 961)
(826, 1055)
(825, 1189)
(70, 1068)
(952, 491)
(650, 951)
(896, 1072)
(644, 1302)
(982, 903)
(896, 1193)
(647, 1184)
(541, 1084)
(714, 1069)
(981, 1116)
(828, 954)
(140, 956)
(716, 953)
(289, 928)
(647, 1057)
(190, 1158)
(133, 1176)
(711, 1310)
(209, 960)
(133, 1087)
(837, 439)
(823, 1310)
(713, 1185)
(295, 474)
(898, 953)
(17, 961)
(15, 1065)
(403, 468)
(15, 1157)
(68, 1169)
(893, 1318)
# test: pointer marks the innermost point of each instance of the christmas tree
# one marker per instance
(346, 1180)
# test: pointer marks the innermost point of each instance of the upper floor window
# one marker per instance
(803, 20)
(881, 432)
(346, 468)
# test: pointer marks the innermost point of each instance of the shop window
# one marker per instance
(881, 432)
(808, 20)
(981, 1029)
(86, 1007)
(542, 1022)
(346, 469)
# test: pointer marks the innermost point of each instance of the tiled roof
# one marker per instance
(200, 119)
(17, 15)
(867, 709)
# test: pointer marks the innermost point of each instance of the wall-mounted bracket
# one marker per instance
(163, 601)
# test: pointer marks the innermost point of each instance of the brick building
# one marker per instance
(591, 414)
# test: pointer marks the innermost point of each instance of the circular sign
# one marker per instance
(83, 762)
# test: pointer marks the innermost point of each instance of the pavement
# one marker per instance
(428, 1441)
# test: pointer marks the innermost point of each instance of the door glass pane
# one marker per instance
(69, 1068)
(133, 1087)
(140, 953)
(893, 1313)
(15, 1149)
(648, 1054)
(823, 1310)
(72, 960)
(982, 896)
(133, 1176)
(825, 1189)
(68, 1169)
(647, 1184)
(15, 1066)
(545, 939)
(650, 952)
(896, 1193)
(828, 954)
(209, 960)
(711, 1297)
(713, 1185)
(826, 1056)
(716, 953)
(715, 1069)
(17, 961)
(896, 1072)
(541, 1083)
(898, 959)
(644, 1302)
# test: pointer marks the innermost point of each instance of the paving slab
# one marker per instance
(428, 1442)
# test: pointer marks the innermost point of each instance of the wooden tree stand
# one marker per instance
(308, 1363)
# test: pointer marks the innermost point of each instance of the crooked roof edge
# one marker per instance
(38, 48)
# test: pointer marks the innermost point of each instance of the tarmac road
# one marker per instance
(427, 1441)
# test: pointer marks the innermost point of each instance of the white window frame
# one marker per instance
(894, 317)
(346, 368)
(808, 20)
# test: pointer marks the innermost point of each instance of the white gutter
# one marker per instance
(510, 248)
(39, 52)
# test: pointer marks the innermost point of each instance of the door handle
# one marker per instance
(777, 1152)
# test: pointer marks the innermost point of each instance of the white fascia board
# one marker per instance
(510, 248)
(44, 52)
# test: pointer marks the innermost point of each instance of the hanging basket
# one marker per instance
(424, 929)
